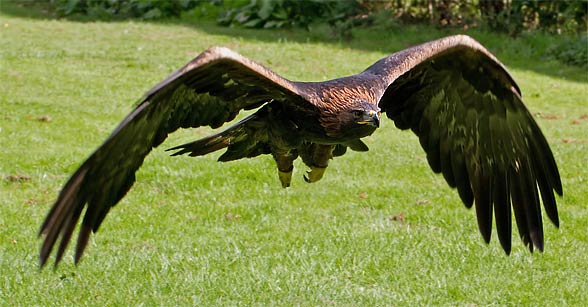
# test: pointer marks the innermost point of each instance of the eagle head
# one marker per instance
(359, 119)
(364, 113)
(367, 117)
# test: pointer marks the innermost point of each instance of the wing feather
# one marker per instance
(502, 212)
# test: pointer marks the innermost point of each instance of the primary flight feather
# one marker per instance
(452, 93)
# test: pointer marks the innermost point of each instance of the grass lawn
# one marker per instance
(379, 229)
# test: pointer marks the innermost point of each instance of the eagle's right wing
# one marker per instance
(208, 91)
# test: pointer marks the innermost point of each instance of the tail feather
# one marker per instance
(203, 146)
(233, 137)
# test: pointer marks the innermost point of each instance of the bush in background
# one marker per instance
(275, 13)
(573, 51)
(117, 9)
(508, 16)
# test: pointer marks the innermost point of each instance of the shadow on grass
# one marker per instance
(526, 52)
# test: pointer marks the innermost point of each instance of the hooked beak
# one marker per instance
(372, 118)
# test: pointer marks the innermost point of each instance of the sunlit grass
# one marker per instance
(380, 229)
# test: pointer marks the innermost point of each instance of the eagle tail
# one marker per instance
(241, 139)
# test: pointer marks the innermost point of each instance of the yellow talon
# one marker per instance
(315, 174)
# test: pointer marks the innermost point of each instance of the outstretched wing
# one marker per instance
(468, 114)
(208, 91)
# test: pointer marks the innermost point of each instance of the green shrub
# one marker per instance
(274, 13)
(341, 15)
(572, 52)
(113, 9)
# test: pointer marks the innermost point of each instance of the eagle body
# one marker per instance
(459, 100)
(316, 132)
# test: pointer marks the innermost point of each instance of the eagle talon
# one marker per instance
(315, 174)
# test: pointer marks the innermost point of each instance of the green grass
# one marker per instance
(195, 232)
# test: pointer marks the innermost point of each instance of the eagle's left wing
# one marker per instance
(468, 114)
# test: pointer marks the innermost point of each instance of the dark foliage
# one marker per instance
(550, 16)
(572, 52)
(340, 15)
(507, 16)
(498, 15)
(116, 9)
(275, 13)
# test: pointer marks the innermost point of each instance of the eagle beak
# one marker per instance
(372, 118)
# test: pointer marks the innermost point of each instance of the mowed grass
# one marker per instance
(379, 229)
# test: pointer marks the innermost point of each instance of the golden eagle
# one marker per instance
(452, 93)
